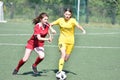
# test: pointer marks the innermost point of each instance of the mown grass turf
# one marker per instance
(96, 55)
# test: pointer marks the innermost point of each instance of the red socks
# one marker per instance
(38, 60)
(21, 62)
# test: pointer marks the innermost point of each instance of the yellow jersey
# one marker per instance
(66, 29)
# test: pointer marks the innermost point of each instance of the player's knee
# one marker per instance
(42, 55)
(66, 59)
(25, 59)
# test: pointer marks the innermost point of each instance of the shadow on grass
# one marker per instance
(32, 74)
(56, 70)
(41, 73)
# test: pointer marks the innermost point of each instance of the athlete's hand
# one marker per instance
(53, 31)
(84, 32)
(50, 39)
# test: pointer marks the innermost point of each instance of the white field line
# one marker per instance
(54, 46)
(58, 34)
(109, 33)
(14, 34)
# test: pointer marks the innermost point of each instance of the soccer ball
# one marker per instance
(60, 75)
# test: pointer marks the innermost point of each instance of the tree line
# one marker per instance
(108, 8)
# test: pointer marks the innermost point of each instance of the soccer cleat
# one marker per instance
(35, 70)
(15, 72)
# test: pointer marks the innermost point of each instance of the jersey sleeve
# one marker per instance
(75, 22)
(56, 22)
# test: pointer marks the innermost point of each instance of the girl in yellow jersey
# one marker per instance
(66, 38)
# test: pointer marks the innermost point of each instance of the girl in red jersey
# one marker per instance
(36, 42)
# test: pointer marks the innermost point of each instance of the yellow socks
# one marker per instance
(61, 64)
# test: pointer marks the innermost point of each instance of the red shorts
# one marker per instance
(31, 46)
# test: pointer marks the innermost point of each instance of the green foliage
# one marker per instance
(97, 8)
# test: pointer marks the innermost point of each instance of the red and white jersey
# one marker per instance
(33, 41)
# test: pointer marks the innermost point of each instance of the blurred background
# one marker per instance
(85, 11)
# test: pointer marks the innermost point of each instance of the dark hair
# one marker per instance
(68, 9)
(41, 16)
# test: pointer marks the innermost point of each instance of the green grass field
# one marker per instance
(96, 55)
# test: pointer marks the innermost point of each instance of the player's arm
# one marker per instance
(50, 36)
(81, 28)
(56, 22)
(52, 30)
(40, 38)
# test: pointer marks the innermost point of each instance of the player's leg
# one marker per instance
(67, 57)
(22, 61)
(66, 51)
(62, 48)
(61, 60)
(40, 52)
(69, 48)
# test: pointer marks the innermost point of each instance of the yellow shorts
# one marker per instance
(67, 47)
